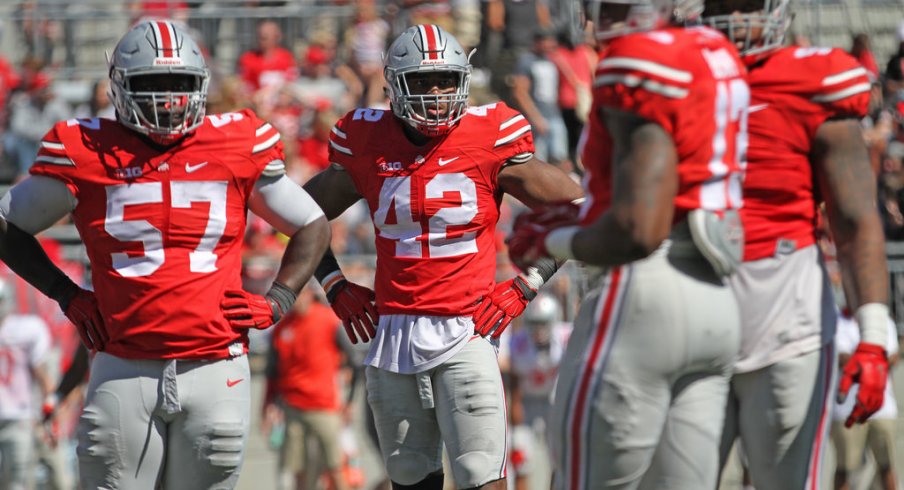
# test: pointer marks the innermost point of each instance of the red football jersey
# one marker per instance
(163, 230)
(691, 82)
(434, 207)
(792, 93)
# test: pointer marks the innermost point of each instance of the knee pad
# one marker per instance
(227, 441)
(409, 468)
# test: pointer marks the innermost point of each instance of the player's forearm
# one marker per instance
(24, 255)
(305, 249)
(75, 374)
(861, 255)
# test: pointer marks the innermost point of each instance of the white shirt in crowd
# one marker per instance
(24, 345)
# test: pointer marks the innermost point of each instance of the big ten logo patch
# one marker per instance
(128, 173)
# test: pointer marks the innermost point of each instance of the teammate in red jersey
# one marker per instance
(643, 384)
(433, 172)
(805, 147)
(159, 197)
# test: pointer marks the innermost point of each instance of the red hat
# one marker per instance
(316, 56)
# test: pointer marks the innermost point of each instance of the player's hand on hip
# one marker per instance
(497, 309)
(248, 310)
(354, 305)
(81, 309)
(527, 244)
(868, 367)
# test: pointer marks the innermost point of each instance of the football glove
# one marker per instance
(868, 366)
(527, 244)
(247, 310)
(496, 310)
(81, 309)
(354, 305)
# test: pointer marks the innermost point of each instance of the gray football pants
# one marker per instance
(168, 424)
(641, 395)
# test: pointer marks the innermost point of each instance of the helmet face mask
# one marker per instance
(428, 76)
(158, 81)
(756, 27)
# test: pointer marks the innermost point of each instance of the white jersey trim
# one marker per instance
(649, 67)
(263, 129)
(844, 76)
(511, 137)
(650, 85)
(55, 160)
(53, 146)
(266, 144)
(340, 148)
(843, 94)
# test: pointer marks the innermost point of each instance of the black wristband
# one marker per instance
(283, 297)
(62, 291)
(546, 267)
(327, 266)
(525, 288)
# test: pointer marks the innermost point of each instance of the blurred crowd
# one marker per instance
(303, 84)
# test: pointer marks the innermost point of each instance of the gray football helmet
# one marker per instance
(756, 27)
(158, 80)
(420, 50)
(615, 18)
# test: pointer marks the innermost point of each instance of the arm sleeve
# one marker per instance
(36, 203)
(283, 203)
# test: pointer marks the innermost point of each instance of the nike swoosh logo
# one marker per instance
(230, 382)
(189, 168)
(757, 107)
(444, 162)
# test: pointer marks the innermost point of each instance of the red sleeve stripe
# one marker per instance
(844, 76)
(653, 86)
(266, 144)
(338, 132)
(49, 145)
(263, 129)
(842, 94)
(511, 121)
(512, 137)
(55, 160)
(340, 148)
(647, 67)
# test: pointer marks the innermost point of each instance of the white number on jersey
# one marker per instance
(395, 195)
(201, 260)
(732, 104)
(369, 115)
(220, 120)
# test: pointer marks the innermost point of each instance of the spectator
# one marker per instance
(575, 64)
(32, 113)
(24, 344)
(878, 433)
(535, 88)
(99, 105)
(269, 64)
(518, 21)
(302, 372)
(894, 70)
(891, 191)
(321, 82)
(860, 49)
(367, 39)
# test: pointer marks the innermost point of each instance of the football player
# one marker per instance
(159, 197)
(433, 171)
(805, 146)
(642, 387)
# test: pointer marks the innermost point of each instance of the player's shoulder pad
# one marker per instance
(657, 61)
(66, 137)
(508, 125)
(355, 128)
(829, 76)
(244, 126)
